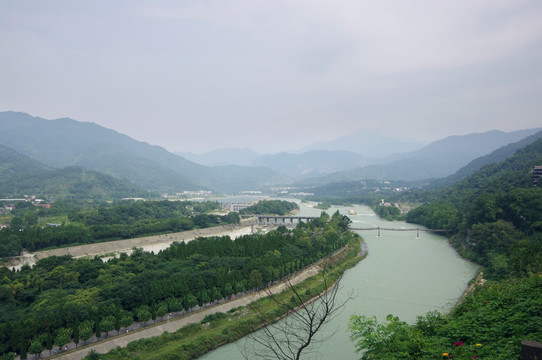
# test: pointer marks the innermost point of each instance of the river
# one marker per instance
(403, 275)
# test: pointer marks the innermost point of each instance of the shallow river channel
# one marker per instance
(403, 275)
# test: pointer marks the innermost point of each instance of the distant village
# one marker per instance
(10, 206)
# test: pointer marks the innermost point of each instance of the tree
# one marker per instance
(16, 223)
(107, 324)
(85, 330)
(143, 313)
(36, 347)
(296, 332)
(63, 336)
(256, 279)
(49, 343)
(386, 340)
(161, 309)
(126, 319)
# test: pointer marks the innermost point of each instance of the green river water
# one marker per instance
(402, 275)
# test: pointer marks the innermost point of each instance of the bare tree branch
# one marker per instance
(295, 333)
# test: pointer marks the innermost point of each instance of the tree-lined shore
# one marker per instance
(62, 295)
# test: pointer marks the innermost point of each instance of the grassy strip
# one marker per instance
(218, 329)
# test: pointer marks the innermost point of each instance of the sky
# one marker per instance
(195, 76)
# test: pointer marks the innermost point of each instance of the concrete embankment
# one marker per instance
(148, 243)
(143, 242)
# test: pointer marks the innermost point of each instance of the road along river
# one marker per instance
(403, 275)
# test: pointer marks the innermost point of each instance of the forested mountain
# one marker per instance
(21, 175)
(496, 156)
(495, 215)
(66, 142)
(13, 163)
(436, 160)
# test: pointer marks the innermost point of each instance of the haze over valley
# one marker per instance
(62, 143)
(235, 179)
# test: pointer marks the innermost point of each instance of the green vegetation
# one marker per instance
(370, 192)
(66, 142)
(102, 222)
(275, 207)
(20, 174)
(324, 205)
(494, 217)
(388, 212)
(489, 324)
(218, 329)
(59, 294)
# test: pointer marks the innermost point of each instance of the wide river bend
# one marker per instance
(403, 275)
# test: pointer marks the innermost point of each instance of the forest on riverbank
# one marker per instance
(494, 218)
(70, 223)
(61, 298)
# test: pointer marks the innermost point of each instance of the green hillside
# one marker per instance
(21, 175)
(494, 217)
(66, 142)
(496, 156)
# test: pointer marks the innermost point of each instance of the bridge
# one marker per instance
(394, 229)
(283, 220)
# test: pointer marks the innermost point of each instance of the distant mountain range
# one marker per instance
(66, 142)
(435, 160)
(54, 145)
(313, 163)
(223, 157)
(439, 159)
(497, 156)
(367, 144)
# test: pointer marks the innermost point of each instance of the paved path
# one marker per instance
(174, 324)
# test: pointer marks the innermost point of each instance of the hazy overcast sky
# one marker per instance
(274, 75)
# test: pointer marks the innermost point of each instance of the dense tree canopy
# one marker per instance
(275, 207)
(61, 294)
(104, 222)
(494, 216)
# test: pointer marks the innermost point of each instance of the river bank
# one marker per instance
(403, 275)
(339, 258)
(153, 243)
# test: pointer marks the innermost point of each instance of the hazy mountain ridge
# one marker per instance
(22, 175)
(436, 160)
(292, 165)
(223, 157)
(496, 156)
(67, 142)
(367, 144)
(311, 163)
